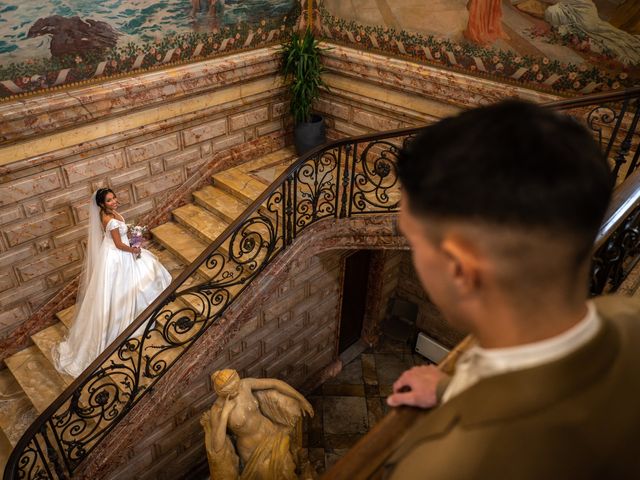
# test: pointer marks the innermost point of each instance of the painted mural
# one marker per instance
(566, 46)
(54, 43)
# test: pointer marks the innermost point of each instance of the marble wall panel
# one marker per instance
(74, 234)
(158, 183)
(93, 167)
(44, 264)
(237, 122)
(32, 228)
(126, 176)
(16, 254)
(269, 128)
(228, 142)
(10, 214)
(6, 281)
(206, 131)
(29, 187)
(63, 198)
(279, 109)
(152, 148)
(12, 317)
(21, 295)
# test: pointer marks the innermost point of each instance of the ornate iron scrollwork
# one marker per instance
(375, 179)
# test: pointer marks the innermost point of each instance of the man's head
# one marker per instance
(503, 200)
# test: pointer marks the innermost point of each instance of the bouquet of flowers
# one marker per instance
(136, 233)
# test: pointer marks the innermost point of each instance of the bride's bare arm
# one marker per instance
(280, 387)
(115, 234)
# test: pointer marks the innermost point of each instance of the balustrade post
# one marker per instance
(345, 179)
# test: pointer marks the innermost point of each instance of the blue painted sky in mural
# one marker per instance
(138, 21)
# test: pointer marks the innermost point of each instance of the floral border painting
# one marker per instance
(45, 45)
(572, 47)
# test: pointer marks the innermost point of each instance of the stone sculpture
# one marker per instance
(264, 416)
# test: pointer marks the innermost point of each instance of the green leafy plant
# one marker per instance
(302, 68)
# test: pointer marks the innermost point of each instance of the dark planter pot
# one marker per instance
(308, 135)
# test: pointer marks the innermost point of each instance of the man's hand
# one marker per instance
(416, 387)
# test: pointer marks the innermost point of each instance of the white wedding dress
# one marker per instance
(118, 287)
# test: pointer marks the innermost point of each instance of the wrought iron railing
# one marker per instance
(342, 179)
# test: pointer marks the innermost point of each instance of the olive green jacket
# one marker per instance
(574, 418)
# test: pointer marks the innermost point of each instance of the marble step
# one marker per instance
(281, 158)
(171, 262)
(5, 450)
(37, 377)
(239, 184)
(200, 221)
(220, 203)
(16, 411)
(66, 316)
(46, 339)
(179, 241)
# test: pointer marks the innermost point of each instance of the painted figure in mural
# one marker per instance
(74, 36)
(264, 416)
(115, 287)
(214, 6)
(485, 21)
(581, 17)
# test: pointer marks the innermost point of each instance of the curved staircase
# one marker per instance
(30, 382)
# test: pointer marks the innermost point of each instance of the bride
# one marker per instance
(117, 283)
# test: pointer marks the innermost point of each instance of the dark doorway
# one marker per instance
(354, 297)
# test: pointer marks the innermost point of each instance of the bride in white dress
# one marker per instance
(115, 287)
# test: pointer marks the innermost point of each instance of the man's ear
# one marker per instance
(464, 263)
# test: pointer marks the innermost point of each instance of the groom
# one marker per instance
(501, 206)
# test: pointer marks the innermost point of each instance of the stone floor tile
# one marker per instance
(389, 366)
(339, 441)
(350, 374)
(332, 456)
(372, 390)
(316, 458)
(345, 415)
(344, 390)
(369, 373)
(375, 411)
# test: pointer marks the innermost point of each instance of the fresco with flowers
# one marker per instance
(565, 46)
(58, 42)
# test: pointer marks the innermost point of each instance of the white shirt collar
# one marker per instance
(478, 363)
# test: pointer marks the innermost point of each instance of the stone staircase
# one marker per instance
(30, 382)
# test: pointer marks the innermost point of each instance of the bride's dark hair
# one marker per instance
(101, 194)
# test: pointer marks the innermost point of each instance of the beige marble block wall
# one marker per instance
(143, 137)
(371, 92)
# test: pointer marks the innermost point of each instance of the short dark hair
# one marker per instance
(511, 164)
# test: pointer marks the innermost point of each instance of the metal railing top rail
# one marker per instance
(626, 197)
(594, 99)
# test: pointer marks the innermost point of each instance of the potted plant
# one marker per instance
(302, 68)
